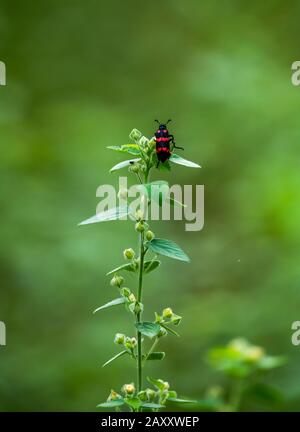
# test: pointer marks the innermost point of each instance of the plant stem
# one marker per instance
(138, 315)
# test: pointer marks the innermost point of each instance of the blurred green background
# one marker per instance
(80, 76)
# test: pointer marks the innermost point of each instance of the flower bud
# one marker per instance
(125, 292)
(131, 298)
(143, 396)
(139, 215)
(150, 394)
(139, 227)
(128, 253)
(149, 235)
(167, 313)
(123, 193)
(117, 281)
(176, 319)
(113, 396)
(135, 168)
(135, 134)
(162, 332)
(143, 141)
(136, 307)
(254, 353)
(158, 318)
(166, 385)
(119, 339)
(133, 342)
(128, 389)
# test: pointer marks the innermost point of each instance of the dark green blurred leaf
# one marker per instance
(155, 356)
(152, 405)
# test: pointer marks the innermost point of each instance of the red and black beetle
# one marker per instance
(163, 140)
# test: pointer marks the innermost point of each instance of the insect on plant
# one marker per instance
(135, 396)
(163, 140)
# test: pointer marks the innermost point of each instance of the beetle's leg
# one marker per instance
(173, 142)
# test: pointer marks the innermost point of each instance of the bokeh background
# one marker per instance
(80, 76)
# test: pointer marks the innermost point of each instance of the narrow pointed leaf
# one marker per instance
(151, 265)
(167, 248)
(149, 329)
(108, 215)
(120, 354)
(124, 164)
(115, 302)
(112, 403)
(179, 400)
(170, 330)
(174, 202)
(152, 405)
(127, 267)
(181, 161)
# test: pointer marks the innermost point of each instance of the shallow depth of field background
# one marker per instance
(80, 76)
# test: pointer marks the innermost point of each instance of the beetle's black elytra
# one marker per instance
(163, 142)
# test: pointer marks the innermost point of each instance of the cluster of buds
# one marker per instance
(128, 342)
(147, 395)
(113, 396)
(168, 316)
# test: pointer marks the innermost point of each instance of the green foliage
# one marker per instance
(148, 328)
(167, 248)
(115, 302)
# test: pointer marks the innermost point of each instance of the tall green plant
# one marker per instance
(134, 396)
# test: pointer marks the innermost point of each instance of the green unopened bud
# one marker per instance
(166, 385)
(143, 141)
(176, 319)
(117, 281)
(149, 235)
(139, 215)
(136, 307)
(158, 318)
(143, 396)
(150, 394)
(133, 342)
(125, 292)
(131, 298)
(123, 193)
(128, 389)
(113, 396)
(162, 332)
(135, 134)
(135, 168)
(167, 313)
(128, 253)
(140, 227)
(119, 339)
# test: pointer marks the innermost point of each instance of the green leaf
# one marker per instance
(170, 330)
(174, 202)
(179, 400)
(115, 302)
(151, 265)
(147, 328)
(127, 267)
(180, 161)
(156, 191)
(165, 166)
(167, 248)
(271, 362)
(120, 354)
(158, 383)
(152, 405)
(155, 356)
(133, 149)
(112, 403)
(133, 402)
(124, 164)
(108, 215)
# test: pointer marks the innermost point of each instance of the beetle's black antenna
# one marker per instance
(168, 121)
(157, 121)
